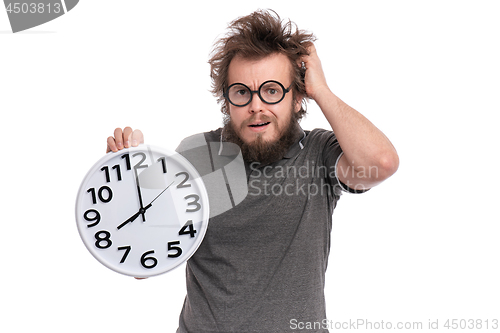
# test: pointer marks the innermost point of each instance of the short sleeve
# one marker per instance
(331, 154)
(343, 186)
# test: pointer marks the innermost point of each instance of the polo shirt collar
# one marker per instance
(297, 146)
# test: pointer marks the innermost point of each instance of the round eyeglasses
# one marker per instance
(270, 92)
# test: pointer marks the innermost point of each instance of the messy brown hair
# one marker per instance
(256, 36)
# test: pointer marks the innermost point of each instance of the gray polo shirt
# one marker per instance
(261, 266)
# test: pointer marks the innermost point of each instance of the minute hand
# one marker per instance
(139, 194)
(142, 210)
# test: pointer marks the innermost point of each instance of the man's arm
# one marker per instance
(369, 157)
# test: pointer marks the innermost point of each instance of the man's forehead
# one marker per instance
(272, 67)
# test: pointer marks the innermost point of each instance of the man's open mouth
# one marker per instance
(260, 124)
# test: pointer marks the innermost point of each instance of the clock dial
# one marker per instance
(142, 211)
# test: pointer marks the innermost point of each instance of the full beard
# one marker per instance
(260, 150)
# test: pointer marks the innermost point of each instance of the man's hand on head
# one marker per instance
(125, 138)
(314, 80)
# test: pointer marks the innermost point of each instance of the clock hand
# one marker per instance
(166, 188)
(139, 193)
(142, 210)
(133, 217)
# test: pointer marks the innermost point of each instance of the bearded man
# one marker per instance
(261, 266)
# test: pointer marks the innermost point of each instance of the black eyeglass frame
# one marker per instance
(285, 91)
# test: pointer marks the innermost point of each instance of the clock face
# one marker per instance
(142, 211)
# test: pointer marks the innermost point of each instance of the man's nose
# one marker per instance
(256, 104)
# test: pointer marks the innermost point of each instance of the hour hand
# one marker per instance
(133, 217)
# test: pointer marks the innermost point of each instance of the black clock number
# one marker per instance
(103, 239)
(104, 198)
(152, 260)
(139, 165)
(171, 246)
(127, 251)
(106, 172)
(191, 231)
(126, 157)
(163, 163)
(187, 229)
(193, 203)
(96, 217)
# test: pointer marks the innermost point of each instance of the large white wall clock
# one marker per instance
(142, 211)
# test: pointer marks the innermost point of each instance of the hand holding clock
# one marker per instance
(125, 138)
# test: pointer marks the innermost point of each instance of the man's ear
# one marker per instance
(297, 105)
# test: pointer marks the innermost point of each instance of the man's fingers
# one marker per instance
(127, 136)
(137, 138)
(111, 145)
(118, 138)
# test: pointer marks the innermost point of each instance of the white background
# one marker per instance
(422, 246)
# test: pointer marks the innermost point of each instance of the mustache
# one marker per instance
(262, 118)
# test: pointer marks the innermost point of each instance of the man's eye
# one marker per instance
(272, 91)
(241, 92)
